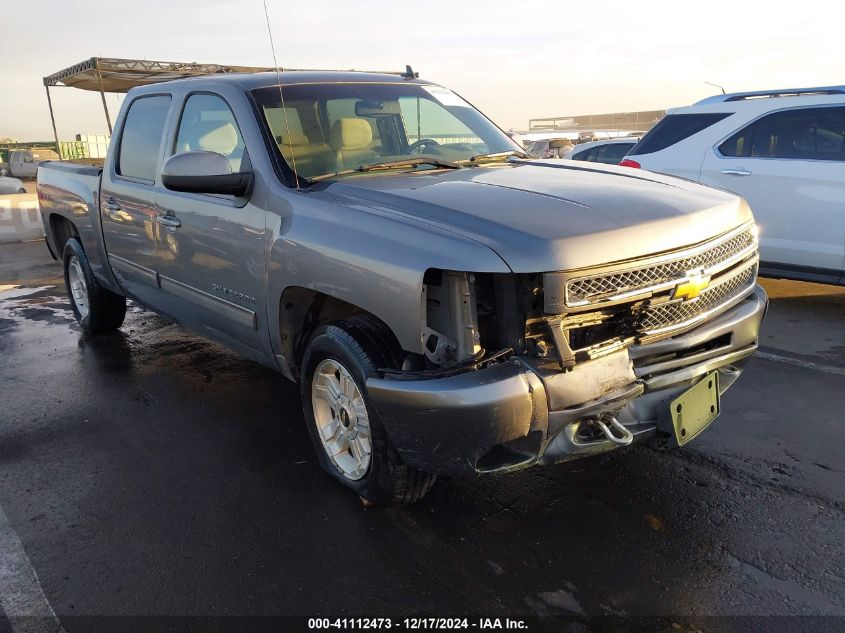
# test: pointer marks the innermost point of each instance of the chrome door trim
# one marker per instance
(126, 266)
(232, 311)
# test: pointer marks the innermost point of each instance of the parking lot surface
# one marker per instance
(152, 473)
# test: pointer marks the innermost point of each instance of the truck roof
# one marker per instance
(251, 81)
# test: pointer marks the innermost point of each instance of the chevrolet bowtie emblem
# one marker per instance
(691, 287)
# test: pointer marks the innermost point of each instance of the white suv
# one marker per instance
(784, 152)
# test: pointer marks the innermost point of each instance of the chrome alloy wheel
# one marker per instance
(78, 287)
(341, 418)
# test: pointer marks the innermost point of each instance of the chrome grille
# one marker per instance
(587, 290)
(669, 316)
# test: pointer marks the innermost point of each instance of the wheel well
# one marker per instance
(62, 229)
(302, 311)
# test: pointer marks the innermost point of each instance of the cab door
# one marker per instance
(211, 249)
(128, 198)
(790, 167)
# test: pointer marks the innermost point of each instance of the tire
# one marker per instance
(355, 348)
(97, 310)
(22, 190)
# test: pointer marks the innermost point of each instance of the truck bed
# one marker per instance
(86, 167)
(68, 198)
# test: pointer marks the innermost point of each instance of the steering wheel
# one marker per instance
(418, 145)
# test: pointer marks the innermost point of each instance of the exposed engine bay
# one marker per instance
(571, 318)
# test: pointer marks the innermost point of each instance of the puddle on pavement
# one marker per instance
(16, 292)
(38, 304)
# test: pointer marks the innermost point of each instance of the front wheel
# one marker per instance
(97, 310)
(347, 434)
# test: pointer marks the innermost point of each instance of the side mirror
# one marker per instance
(204, 172)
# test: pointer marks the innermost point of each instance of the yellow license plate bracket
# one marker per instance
(696, 408)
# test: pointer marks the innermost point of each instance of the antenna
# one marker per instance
(716, 86)
(281, 94)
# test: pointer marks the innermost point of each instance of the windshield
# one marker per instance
(329, 128)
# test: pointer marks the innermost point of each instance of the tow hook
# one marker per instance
(602, 422)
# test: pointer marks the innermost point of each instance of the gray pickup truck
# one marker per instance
(446, 302)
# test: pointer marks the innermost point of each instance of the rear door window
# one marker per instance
(140, 140)
(612, 153)
(674, 128)
(808, 134)
(739, 144)
(799, 134)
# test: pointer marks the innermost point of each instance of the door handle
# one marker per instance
(169, 221)
(736, 172)
(112, 206)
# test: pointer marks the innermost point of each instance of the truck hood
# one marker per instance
(553, 215)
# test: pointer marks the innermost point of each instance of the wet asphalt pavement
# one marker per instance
(152, 473)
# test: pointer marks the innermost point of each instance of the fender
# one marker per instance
(367, 258)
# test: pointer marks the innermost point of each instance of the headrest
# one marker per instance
(294, 138)
(216, 136)
(350, 133)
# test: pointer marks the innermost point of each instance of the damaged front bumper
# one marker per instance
(522, 412)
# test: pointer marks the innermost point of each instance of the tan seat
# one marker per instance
(292, 139)
(312, 159)
(350, 140)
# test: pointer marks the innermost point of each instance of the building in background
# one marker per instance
(85, 146)
(591, 127)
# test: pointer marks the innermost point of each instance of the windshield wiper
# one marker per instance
(392, 164)
(410, 162)
(483, 158)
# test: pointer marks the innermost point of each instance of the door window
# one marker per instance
(207, 124)
(140, 139)
(739, 145)
(809, 134)
(612, 153)
(800, 134)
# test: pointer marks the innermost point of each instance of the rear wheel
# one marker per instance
(97, 310)
(347, 433)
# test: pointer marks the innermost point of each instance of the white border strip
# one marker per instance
(797, 362)
(21, 596)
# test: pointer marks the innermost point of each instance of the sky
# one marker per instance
(514, 60)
